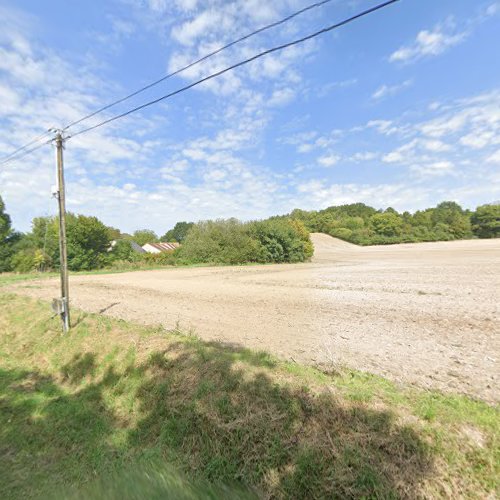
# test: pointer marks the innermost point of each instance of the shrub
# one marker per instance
(33, 259)
(282, 240)
(233, 242)
(219, 242)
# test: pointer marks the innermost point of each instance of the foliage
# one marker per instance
(143, 236)
(387, 224)
(122, 250)
(278, 239)
(88, 242)
(5, 223)
(31, 259)
(233, 242)
(6, 243)
(220, 242)
(486, 221)
(282, 240)
(363, 225)
(178, 233)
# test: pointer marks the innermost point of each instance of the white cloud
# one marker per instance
(364, 156)
(281, 97)
(494, 157)
(329, 160)
(434, 169)
(388, 90)
(188, 32)
(428, 43)
(443, 36)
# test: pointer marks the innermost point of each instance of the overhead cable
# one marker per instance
(237, 65)
(198, 61)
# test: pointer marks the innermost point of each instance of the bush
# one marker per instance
(282, 240)
(29, 260)
(233, 242)
(220, 242)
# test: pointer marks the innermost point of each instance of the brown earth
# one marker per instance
(424, 314)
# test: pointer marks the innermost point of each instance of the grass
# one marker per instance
(117, 410)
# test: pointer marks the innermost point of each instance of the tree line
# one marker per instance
(364, 225)
(93, 245)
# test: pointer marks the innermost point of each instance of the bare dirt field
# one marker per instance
(425, 313)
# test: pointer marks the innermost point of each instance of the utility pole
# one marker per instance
(63, 306)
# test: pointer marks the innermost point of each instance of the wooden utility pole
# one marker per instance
(61, 198)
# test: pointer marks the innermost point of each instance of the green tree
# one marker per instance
(486, 221)
(451, 214)
(88, 242)
(387, 224)
(8, 239)
(113, 233)
(45, 236)
(143, 236)
(178, 233)
(5, 223)
(122, 250)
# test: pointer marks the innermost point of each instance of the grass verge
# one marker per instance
(79, 412)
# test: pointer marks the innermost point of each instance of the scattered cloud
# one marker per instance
(329, 160)
(428, 43)
(433, 169)
(389, 90)
(442, 37)
(494, 157)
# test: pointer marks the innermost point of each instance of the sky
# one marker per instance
(400, 108)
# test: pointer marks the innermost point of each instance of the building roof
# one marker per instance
(163, 246)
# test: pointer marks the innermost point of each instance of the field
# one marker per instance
(417, 313)
(115, 410)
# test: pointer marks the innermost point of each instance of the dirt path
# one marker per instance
(420, 313)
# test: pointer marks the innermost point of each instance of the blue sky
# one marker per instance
(401, 108)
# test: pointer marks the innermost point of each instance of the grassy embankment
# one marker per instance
(79, 412)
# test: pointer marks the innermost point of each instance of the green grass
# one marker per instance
(117, 410)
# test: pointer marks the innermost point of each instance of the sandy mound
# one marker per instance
(327, 248)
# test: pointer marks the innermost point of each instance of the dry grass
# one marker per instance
(112, 396)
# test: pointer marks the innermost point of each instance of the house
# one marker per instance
(159, 247)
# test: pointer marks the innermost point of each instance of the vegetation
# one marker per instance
(486, 221)
(84, 415)
(90, 244)
(363, 225)
(234, 242)
(278, 239)
(178, 233)
(143, 236)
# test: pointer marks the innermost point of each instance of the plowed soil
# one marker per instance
(425, 314)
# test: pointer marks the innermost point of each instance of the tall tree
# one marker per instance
(179, 232)
(486, 221)
(5, 223)
(143, 236)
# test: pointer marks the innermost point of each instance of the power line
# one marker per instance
(198, 61)
(237, 65)
(26, 153)
(18, 150)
